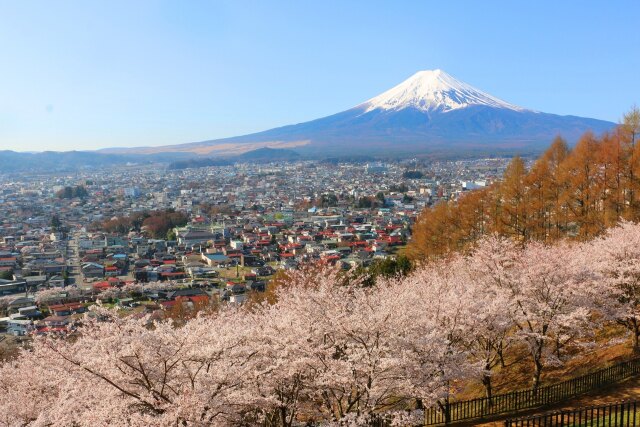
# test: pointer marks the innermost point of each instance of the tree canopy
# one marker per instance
(572, 193)
(78, 191)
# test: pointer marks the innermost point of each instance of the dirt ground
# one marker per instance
(627, 390)
(9, 345)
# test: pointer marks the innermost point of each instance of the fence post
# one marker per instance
(447, 411)
(443, 413)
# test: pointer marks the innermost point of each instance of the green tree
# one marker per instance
(328, 200)
(386, 268)
(55, 222)
(413, 175)
(401, 188)
(67, 192)
(365, 203)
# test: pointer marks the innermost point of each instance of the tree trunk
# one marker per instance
(537, 373)
(486, 381)
(503, 364)
(283, 417)
(446, 410)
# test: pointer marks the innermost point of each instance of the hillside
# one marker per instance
(569, 192)
(430, 111)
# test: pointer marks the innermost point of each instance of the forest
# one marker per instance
(572, 193)
(155, 224)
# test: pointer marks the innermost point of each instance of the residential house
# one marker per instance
(92, 269)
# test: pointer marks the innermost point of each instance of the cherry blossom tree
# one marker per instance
(616, 258)
(359, 350)
(282, 367)
(435, 301)
(324, 348)
(546, 287)
(131, 289)
(473, 287)
(125, 371)
(486, 325)
(30, 388)
(348, 339)
(57, 295)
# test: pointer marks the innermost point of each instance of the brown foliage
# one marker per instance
(575, 193)
(280, 280)
(156, 223)
(184, 310)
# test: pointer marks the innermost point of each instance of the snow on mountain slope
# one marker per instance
(433, 90)
(429, 111)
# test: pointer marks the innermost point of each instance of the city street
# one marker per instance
(73, 261)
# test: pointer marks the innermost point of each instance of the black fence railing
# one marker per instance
(619, 414)
(449, 412)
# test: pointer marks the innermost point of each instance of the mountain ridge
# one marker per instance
(431, 110)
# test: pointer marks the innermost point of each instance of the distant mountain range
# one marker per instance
(55, 161)
(261, 155)
(430, 111)
(269, 154)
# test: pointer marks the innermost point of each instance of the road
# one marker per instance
(73, 261)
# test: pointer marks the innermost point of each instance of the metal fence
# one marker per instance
(620, 414)
(449, 412)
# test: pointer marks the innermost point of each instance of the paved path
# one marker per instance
(73, 253)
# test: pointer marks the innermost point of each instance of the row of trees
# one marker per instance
(328, 347)
(364, 202)
(575, 192)
(156, 224)
(78, 191)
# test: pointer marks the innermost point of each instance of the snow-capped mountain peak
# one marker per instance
(429, 112)
(433, 90)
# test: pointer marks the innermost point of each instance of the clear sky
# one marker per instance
(93, 74)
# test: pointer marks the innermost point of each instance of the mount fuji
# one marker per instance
(430, 111)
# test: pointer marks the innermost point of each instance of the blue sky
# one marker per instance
(92, 74)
